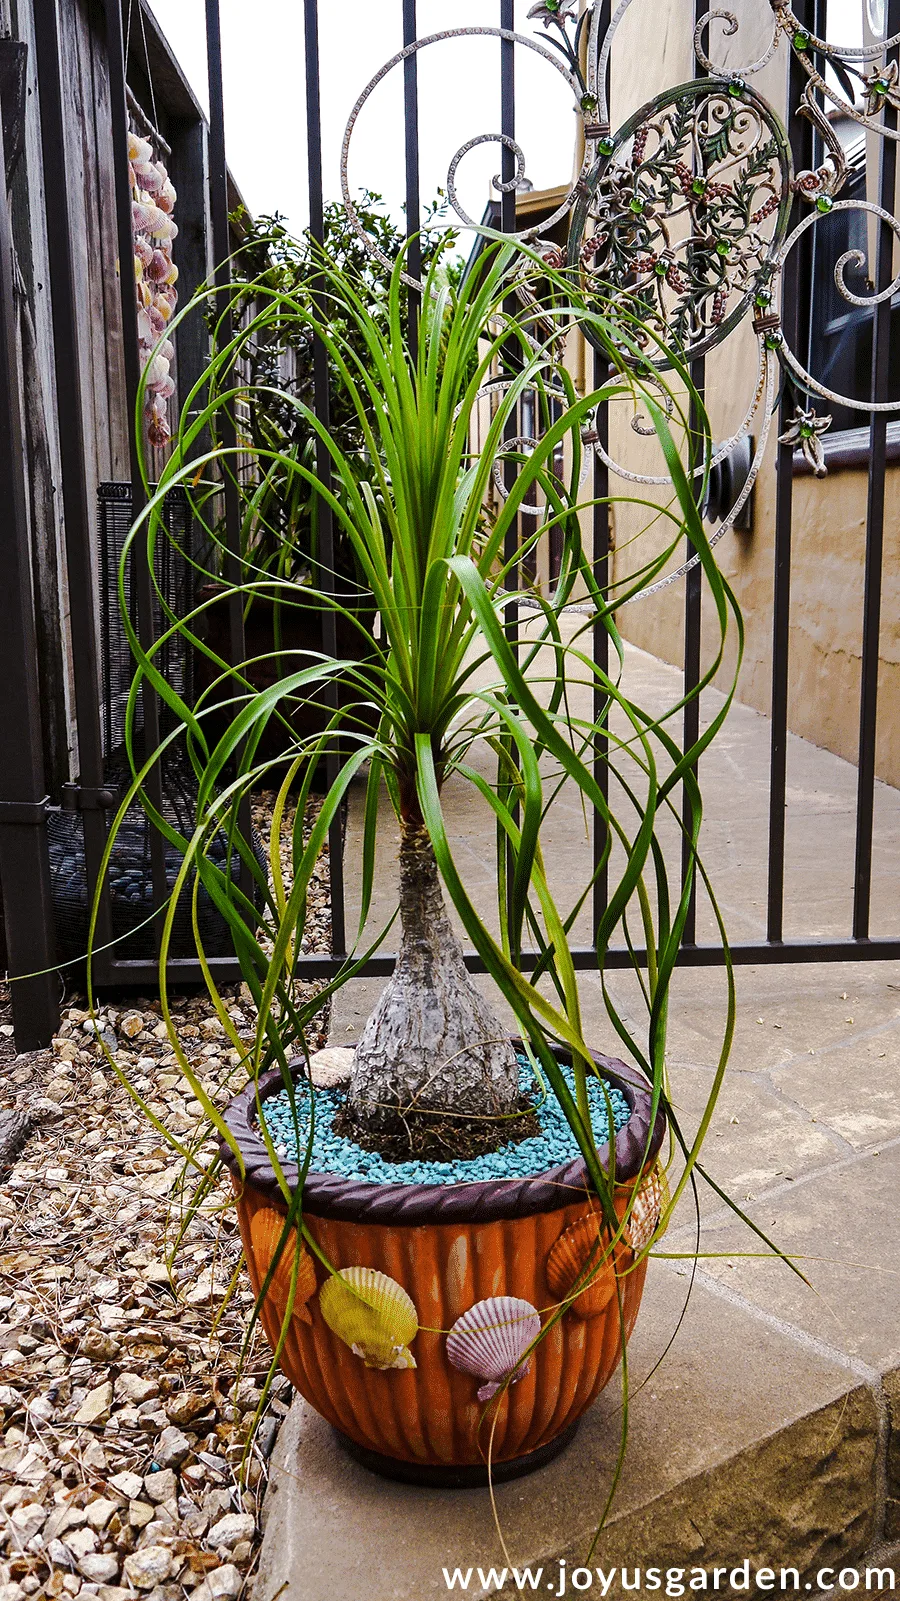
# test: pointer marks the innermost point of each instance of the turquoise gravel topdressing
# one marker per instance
(335, 1154)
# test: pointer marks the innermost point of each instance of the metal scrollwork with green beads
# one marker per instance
(681, 217)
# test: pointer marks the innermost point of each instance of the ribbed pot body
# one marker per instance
(430, 1413)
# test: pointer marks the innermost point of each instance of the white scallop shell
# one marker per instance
(650, 1202)
(490, 1339)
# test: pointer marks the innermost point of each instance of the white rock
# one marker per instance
(131, 1024)
(101, 1568)
(223, 1584)
(207, 1288)
(131, 1387)
(332, 1067)
(10, 1399)
(130, 1484)
(13, 1359)
(139, 1514)
(28, 1518)
(82, 1542)
(95, 1406)
(161, 1486)
(99, 1512)
(233, 1527)
(145, 1569)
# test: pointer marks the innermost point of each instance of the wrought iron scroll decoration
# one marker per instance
(683, 213)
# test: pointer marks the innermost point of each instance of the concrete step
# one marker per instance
(748, 1443)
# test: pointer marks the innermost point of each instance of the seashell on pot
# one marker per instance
(266, 1231)
(490, 1340)
(578, 1255)
(649, 1203)
(372, 1314)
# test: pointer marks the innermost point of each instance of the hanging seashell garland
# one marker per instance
(155, 275)
(372, 1314)
(490, 1340)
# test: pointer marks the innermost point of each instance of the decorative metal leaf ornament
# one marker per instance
(681, 217)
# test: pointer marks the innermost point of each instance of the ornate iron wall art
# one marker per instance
(681, 216)
(680, 219)
(568, 73)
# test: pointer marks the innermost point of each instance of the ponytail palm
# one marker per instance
(439, 674)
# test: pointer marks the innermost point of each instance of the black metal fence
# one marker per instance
(25, 869)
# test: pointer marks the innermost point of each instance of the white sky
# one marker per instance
(459, 94)
(459, 97)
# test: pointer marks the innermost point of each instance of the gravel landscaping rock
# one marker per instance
(125, 1408)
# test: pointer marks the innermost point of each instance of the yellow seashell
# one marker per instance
(577, 1253)
(266, 1230)
(372, 1314)
(649, 1204)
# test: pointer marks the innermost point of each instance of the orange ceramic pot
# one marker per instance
(471, 1322)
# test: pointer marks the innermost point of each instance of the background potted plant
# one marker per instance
(279, 506)
(449, 1250)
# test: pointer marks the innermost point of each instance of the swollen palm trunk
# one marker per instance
(432, 1047)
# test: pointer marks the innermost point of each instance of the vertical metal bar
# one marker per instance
(601, 568)
(413, 200)
(796, 266)
(225, 423)
(143, 578)
(77, 518)
(693, 603)
(508, 225)
(221, 240)
(24, 858)
(693, 600)
(507, 115)
(326, 575)
(600, 554)
(510, 354)
(881, 354)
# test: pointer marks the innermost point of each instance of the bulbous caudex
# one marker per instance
(433, 1045)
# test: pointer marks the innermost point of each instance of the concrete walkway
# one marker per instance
(771, 1430)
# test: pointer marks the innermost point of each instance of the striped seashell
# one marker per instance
(372, 1314)
(578, 1254)
(650, 1202)
(489, 1341)
(266, 1229)
(139, 149)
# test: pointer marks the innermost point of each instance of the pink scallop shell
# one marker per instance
(490, 1340)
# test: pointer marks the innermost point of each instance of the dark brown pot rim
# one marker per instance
(328, 1195)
